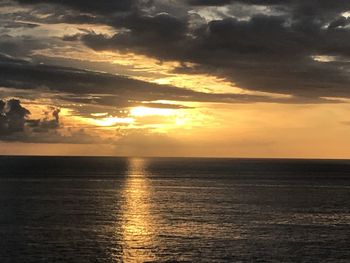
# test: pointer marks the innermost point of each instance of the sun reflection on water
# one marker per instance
(138, 222)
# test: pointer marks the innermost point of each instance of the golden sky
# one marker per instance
(174, 78)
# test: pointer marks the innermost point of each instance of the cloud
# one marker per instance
(209, 2)
(12, 117)
(339, 22)
(277, 52)
(90, 6)
(23, 46)
(15, 124)
(271, 49)
(98, 88)
(46, 124)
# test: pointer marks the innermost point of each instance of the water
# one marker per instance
(55, 209)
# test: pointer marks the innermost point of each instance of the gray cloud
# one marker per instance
(278, 54)
(91, 6)
(15, 124)
(269, 52)
(23, 45)
(12, 117)
(339, 22)
(47, 123)
(209, 2)
(90, 87)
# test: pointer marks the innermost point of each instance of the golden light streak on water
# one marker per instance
(138, 225)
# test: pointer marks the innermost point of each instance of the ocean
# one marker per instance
(99, 209)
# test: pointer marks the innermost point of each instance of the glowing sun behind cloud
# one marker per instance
(146, 111)
(110, 121)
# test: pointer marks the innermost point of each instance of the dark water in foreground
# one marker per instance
(58, 209)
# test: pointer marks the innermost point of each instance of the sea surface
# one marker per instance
(88, 209)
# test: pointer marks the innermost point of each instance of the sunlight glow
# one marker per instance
(346, 14)
(99, 114)
(110, 121)
(145, 111)
(180, 121)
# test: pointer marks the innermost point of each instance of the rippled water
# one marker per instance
(177, 210)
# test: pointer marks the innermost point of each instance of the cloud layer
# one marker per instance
(91, 87)
(276, 47)
(292, 47)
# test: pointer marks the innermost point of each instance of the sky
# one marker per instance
(224, 78)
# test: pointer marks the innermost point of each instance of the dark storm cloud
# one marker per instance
(16, 125)
(276, 50)
(162, 24)
(315, 4)
(22, 46)
(339, 22)
(90, 6)
(209, 2)
(161, 35)
(12, 117)
(304, 11)
(279, 52)
(279, 56)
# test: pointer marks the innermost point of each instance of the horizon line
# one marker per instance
(177, 157)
